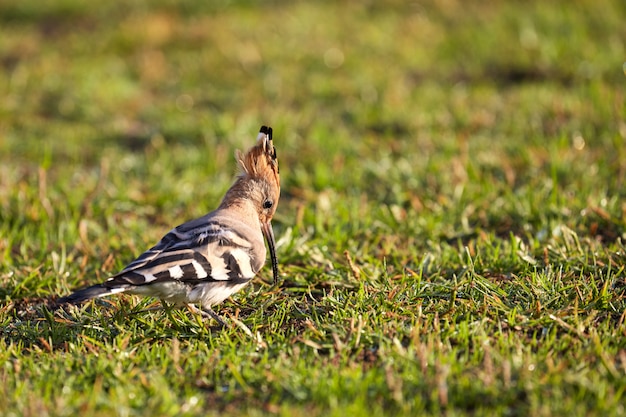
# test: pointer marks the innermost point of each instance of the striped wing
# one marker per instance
(199, 251)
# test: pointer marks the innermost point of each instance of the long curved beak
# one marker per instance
(266, 228)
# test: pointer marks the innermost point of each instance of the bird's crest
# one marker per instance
(260, 161)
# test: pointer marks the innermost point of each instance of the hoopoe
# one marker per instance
(206, 260)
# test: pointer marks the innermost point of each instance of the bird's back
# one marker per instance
(215, 247)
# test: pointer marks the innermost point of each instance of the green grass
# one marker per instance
(450, 233)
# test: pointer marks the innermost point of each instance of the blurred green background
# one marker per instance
(434, 108)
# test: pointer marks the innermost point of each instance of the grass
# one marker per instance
(450, 233)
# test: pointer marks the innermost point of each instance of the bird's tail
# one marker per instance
(88, 293)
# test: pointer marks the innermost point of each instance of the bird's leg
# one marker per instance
(208, 313)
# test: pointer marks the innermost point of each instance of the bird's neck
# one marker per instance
(238, 199)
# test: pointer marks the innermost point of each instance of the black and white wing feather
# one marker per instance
(204, 251)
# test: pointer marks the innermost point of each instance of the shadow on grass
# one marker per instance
(42, 324)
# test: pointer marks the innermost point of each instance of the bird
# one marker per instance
(204, 261)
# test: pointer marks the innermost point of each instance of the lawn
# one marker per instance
(451, 232)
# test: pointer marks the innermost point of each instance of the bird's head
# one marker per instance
(259, 171)
(259, 184)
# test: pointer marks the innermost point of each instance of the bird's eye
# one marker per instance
(267, 204)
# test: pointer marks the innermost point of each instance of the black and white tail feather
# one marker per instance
(206, 260)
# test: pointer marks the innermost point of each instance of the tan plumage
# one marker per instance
(206, 260)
